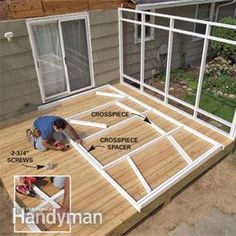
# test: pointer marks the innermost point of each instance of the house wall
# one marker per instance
(105, 45)
(18, 81)
(227, 11)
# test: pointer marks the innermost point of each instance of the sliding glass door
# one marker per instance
(49, 59)
(62, 54)
(76, 53)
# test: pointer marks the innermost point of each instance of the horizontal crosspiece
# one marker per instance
(106, 94)
(88, 123)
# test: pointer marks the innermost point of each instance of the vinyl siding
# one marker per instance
(18, 80)
(105, 45)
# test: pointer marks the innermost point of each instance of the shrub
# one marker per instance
(221, 75)
(223, 49)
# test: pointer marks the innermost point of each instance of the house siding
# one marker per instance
(227, 11)
(105, 45)
(18, 80)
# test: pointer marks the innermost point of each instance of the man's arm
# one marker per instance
(72, 132)
(66, 201)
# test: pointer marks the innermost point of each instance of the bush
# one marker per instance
(223, 49)
(221, 75)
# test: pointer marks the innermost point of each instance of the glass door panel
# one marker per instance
(49, 59)
(75, 46)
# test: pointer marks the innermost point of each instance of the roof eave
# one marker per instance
(159, 5)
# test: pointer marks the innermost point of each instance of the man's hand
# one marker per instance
(79, 141)
(59, 148)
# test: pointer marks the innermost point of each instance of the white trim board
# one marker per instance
(130, 157)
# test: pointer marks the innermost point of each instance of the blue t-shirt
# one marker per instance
(45, 125)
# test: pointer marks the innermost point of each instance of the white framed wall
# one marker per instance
(171, 30)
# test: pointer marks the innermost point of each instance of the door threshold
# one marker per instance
(48, 104)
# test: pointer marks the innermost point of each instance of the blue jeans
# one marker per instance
(39, 141)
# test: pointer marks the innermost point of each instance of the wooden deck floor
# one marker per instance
(90, 191)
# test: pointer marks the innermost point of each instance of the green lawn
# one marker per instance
(216, 105)
(220, 106)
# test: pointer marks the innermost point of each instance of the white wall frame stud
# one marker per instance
(139, 175)
(233, 128)
(142, 54)
(131, 110)
(202, 70)
(121, 52)
(87, 112)
(169, 59)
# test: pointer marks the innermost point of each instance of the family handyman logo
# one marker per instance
(54, 217)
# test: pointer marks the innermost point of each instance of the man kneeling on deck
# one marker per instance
(48, 133)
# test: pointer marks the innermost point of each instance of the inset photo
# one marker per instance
(42, 203)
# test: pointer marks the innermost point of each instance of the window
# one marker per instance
(149, 31)
(203, 12)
